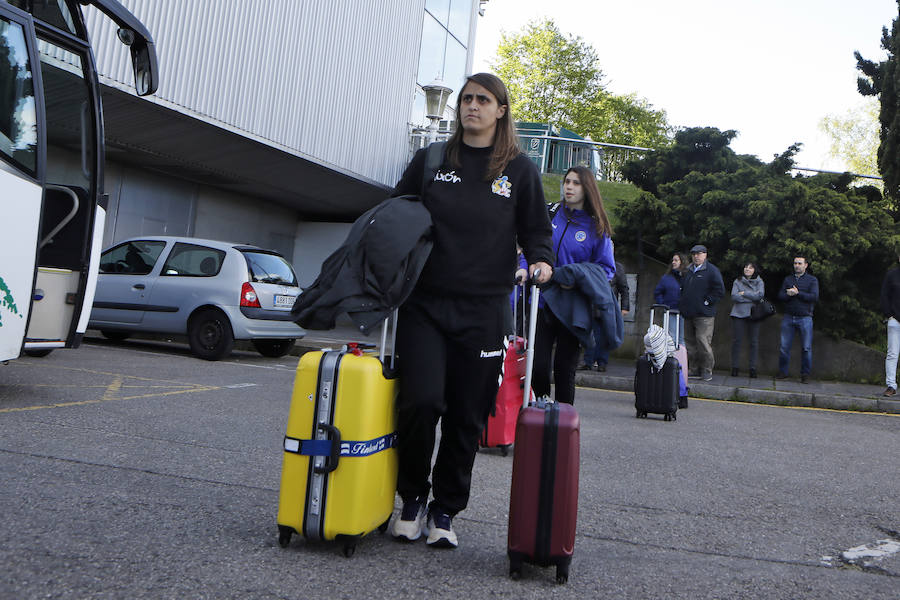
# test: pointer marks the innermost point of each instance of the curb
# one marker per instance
(751, 395)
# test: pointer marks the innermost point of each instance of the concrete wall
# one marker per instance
(314, 243)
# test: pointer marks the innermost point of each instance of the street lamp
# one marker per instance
(436, 94)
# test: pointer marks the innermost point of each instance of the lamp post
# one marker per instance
(436, 94)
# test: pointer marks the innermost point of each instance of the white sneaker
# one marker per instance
(440, 531)
(409, 525)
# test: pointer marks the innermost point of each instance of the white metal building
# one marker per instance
(276, 122)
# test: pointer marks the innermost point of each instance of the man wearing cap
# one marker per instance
(700, 294)
(799, 292)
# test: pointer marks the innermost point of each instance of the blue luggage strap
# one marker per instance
(347, 448)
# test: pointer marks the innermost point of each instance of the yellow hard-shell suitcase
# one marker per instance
(339, 473)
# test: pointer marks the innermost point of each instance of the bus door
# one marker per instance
(70, 214)
(21, 175)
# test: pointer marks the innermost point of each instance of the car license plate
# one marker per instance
(284, 300)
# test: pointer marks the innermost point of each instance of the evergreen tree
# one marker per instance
(882, 79)
(700, 191)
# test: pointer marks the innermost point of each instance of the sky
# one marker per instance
(770, 69)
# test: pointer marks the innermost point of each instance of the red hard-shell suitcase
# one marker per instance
(543, 502)
(500, 430)
(543, 505)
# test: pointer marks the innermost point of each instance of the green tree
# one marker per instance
(700, 191)
(556, 78)
(549, 75)
(854, 137)
(882, 79)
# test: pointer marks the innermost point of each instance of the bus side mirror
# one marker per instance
(143, 61)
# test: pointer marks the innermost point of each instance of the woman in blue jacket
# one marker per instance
(581, 233)
(668, 291)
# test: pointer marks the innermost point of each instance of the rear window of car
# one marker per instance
(269, 268)
(191, 260)
(131, 258)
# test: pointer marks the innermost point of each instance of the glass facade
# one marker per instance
(444, 50)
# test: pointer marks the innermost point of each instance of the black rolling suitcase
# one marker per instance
(657, 390)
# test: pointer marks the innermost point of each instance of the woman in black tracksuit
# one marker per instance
(485, 197)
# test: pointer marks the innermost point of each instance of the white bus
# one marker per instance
(52, 205)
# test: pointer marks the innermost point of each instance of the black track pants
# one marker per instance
(563, 361)
(450, 352)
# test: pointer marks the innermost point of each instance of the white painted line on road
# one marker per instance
(866, 555)
(239, 385)
(875, 551)
(271, 367)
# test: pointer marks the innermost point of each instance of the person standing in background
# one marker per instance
(700, 294)
(799, 292)
(890, 307)
(746, 289)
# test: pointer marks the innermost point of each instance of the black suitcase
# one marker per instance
(657, 390)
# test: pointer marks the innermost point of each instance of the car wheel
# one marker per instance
(116, 336)
(210, 335)
(273, 348)
(39, 353)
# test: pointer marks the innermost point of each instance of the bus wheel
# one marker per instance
(210, 335)
(39, 353)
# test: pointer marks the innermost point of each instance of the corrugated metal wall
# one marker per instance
(331, 80)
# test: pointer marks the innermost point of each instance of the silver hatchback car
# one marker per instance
(213, 292)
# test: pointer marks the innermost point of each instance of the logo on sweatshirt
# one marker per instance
(580, 236)
(491, 354)
(502, 186)
(450, 177)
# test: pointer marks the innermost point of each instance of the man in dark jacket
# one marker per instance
(599, 354)
(799, 292)
(890, 307)
(700, 295)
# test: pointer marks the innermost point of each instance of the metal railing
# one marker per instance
(553, 154)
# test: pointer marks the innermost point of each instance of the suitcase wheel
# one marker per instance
(349, 549)
(284, 536)
(562, 574)
(641, 415)
(515, 568)
(384, 526)
(349, 544)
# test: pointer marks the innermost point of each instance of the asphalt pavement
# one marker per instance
(133, 470)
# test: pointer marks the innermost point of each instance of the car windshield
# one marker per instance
(269, 268)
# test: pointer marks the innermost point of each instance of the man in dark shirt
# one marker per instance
(799, 292)
(700, 294)
(890, 306)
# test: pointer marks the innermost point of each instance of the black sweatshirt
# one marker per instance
(477, 222)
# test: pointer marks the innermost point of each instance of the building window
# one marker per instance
(445, 38)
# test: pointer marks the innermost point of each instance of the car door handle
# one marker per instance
(139, 286)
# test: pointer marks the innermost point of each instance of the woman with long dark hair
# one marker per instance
(746, 289)
(581, 233)
(485, 197)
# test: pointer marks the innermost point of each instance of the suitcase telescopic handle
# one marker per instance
(331, 461)
(529, 341)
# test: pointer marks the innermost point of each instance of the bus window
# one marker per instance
(18, 120)
(53, 12)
